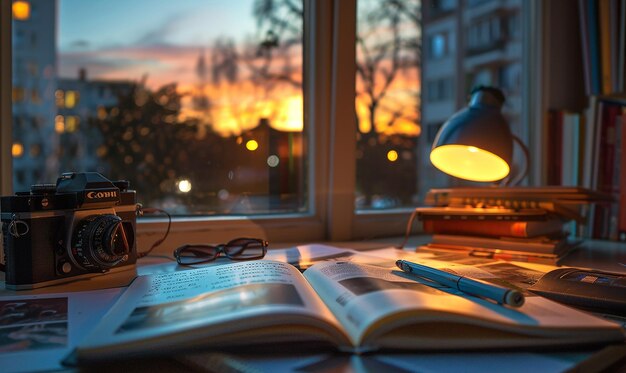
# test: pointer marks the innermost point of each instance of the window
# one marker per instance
(439, 90)
(388, 102)
(438, 46)
(240, 130)
(196, 114)
(71, 99)
(17, 150)
(21, 10)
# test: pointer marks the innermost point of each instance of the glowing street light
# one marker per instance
(184, 186)
(252, 145)
(392, 155)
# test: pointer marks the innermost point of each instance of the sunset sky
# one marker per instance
(162, 40)
(125, 39)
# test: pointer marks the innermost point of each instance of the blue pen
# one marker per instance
(467, 285)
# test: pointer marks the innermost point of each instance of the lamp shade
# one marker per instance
(476, 143)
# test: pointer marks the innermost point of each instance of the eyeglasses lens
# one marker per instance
(197, 254)
(244, 249)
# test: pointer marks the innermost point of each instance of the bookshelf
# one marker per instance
(584, 109)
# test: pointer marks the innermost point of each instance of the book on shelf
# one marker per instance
(481, 213)
(565, 136)
(590, 10)
(567, 202)
(604, 14)
(622, 178)
(603, 39)
(338, 305)
(555, 139)
(607, 166)
(496, 228)
(584, 37)
(621, 48)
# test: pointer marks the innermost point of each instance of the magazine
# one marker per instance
(346, 305)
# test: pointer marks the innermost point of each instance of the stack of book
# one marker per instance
(521, 223)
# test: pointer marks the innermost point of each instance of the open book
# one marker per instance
(347, 305)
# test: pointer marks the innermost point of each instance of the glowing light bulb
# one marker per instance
(477, 165)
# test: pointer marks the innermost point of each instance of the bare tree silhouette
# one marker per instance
(279, 24)
(382, 59)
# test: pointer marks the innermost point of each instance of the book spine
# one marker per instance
(589, 147)
(555, 145)
(594, 48)
(606, 215)
(519, 229)
(614, 39)
(570, 150)
(605, 45)
(584, 38)
(621, 55)
(622, 180)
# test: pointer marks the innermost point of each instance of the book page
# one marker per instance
(371, 301)
(229, 298)
(304, 256)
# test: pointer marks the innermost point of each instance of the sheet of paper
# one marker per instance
(36, 331)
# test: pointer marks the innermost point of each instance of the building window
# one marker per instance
(441, 6)
(71, 123)
(18, 94)
(510, 77)
(439, 90)
(35, 150)
(17, 150)
(59, 124)
(35, 98)
(59, 97)
(438, 46)
(513, 26)
(71, 99)
(21, 10)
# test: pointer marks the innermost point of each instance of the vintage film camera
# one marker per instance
(82, 226)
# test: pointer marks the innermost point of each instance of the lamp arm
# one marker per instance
(521, 175)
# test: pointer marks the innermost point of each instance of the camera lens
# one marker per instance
(101, 242)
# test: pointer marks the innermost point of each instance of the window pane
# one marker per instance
(199, 104)
(487, 37)
(408, 92)
(388, 101)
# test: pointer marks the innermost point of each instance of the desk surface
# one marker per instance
(609, 256)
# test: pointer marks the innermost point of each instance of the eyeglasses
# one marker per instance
(237, 249)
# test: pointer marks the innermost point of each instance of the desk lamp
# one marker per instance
(476, 143)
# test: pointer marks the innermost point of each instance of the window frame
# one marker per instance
(329, 92)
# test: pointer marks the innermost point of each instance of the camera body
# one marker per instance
(82, 226)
